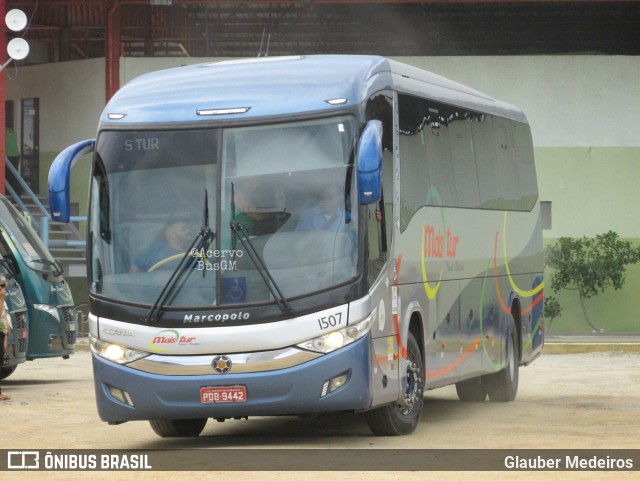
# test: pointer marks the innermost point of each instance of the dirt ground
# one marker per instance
(589, 401)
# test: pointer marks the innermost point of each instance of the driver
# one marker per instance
(172, 241)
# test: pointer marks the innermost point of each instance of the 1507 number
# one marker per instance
(332, 320)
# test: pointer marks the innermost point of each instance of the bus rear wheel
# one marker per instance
(402, 417)
(503, 385)
(176, 428)
(471, 390)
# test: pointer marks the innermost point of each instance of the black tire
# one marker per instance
(503, 385)
(177, 428)
(7, 371)
(402, 417)
(471, 390)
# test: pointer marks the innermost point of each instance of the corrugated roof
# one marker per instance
(76, 29)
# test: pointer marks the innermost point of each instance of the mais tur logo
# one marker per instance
(437, 243)
(168, 338)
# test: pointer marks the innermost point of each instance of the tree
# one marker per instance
(552, 309)
(590, 265)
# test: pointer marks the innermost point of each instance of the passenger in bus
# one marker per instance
(256, 208)
(328, 214)
(5, 326)
(245, 204)
(170, 244)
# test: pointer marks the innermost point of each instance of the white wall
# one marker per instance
(71, 94)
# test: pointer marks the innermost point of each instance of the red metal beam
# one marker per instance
(112, 53)
(3, 95)
(30, 3)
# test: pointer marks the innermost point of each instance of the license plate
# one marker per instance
(224, 394)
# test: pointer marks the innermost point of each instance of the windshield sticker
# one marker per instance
(234, 289)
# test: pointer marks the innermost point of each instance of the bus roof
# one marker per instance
(280, 86)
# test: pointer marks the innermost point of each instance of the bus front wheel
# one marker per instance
(402, 417)
(176, 428)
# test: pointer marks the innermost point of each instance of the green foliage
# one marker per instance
(552, 309)
(590, 265)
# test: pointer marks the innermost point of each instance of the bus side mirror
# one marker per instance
(369, 163)
(59, 175)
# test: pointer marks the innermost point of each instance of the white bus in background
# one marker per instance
(359, 231)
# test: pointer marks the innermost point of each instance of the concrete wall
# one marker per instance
(581, 109)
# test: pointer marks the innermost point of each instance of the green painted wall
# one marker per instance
(593, 190)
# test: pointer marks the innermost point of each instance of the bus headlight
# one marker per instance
(337, 339)
(115, 352)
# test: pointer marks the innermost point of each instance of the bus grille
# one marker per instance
(69, 314)
(21, 325)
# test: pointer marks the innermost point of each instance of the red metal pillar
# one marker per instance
(112, 48)
(3, 93)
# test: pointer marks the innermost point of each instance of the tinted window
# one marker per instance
(458, 158)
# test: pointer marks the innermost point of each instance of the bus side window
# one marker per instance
(380, 220)
(380, 214)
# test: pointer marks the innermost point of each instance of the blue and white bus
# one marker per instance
(294, 235)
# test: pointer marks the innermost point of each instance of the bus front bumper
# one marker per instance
(126, 394)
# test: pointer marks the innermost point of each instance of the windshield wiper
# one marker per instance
(200, 243)
(240, 232)
(55, 264)
(268, 279)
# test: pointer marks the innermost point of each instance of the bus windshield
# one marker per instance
(280, 199)
(36, 256)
